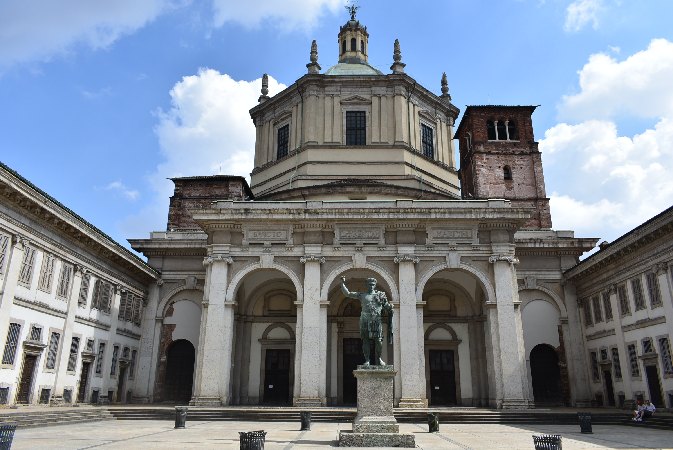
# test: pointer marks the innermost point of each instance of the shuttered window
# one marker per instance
(27, 263)
(53, 350)
(72, 360)
(47, 273)
(11, 344)
(84, 291)
(65, 281)
(4, 253)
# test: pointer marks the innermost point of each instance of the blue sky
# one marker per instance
(102, 101)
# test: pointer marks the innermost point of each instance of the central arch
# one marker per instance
(179, 371)
(545, 374)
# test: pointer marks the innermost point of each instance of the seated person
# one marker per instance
(638, 412)
(648, 410)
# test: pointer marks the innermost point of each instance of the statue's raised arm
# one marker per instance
(345, 290)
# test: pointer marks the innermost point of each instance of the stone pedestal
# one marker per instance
(375, 424)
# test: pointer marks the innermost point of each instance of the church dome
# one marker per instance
(345, 68)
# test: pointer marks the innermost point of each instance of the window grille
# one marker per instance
(607, 306)
(633, 360)
(53, 350)
(72, 360)
(123, 299)
(648, 347)
(665, 352)
(45, 394)
(595, 370)
(615, 363)
(604, 354)
(653, 289)
(587, 313)
(624, 307)
(4, 253)
(428, 141)
(46, 273)
(4, 396)
(132, 365)
(102, 296)
(115, 358)
(356, 128)
(36, 333)
(11, 344)
(99, 358)
(67, 395)
(65, 281)
(598, 314)
(137, 310)
(283, 141)
(84, 291)
(89, 345)
(27, 262)
(637, 290)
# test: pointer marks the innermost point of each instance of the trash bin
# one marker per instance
(433, 423)
(585, 422)
(305, 420)
(547, 442)
(252, 440)
(7, 435)
(180, 416)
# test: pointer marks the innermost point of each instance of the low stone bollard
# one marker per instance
(180, 416)
(547, 442)
(252, 440)
(305, 420)
(433, 423)
(7, 435)
(585, 422)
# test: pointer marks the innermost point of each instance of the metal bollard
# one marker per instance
(585, 422)
(180, 416)
(433, 423)
(305, 420)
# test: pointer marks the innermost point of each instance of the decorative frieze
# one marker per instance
(311, 258)
(358, 234)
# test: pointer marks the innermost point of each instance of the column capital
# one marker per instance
(208, 260)
(612, 289)
(19, 240)
(510, 259)
(660, 268)
(160, 282)
(407, 258)
(81, 270)
(312, 258)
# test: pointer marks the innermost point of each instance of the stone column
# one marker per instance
(666, 292)
(149, 344)
(579, 379)
(511, 360)
(493, 366)
(8, 288)
(213, 358)
(68, 325)
(312, 376)
(413, 383)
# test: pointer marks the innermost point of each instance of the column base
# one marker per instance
(412, 403)
(515, 403)
(308, 402)
(205, 401)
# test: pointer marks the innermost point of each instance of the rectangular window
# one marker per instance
(607, 306)
(89, 345)
(587, 312)
(615, 363)
(595, 370)
(633, 360)
(4, 253)
(665, 352)
(45, 394)
(132, 365)
(638, 297)
(36, 333)
(648, 347)
(102, 296)
(356, 128)
(4, 396)
(598, 313)
(137, 310)
(46, 273)
(11, 344)
(115, 358)
(99, 357)
(64, 281)
(624, 308)
(123, 300)
(72, 360)
(653, 289)
(53, 350)
(283, 138)
(83, 291)
(27, 263)
(427, 141)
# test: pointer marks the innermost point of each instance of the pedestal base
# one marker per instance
(413, 403)
(515, 404)
(308, 402)
(352, 439)
(205, 401)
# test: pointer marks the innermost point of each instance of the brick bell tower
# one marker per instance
(499, 158)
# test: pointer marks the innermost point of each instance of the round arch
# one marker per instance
(550, 297)
(238, 277)
(379, 270)
(444, 326)
(170, 297)
(483, 279)
(273, 326)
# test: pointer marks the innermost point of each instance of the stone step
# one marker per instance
(54, 416)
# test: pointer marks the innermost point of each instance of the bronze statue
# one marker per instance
(373, 303)
(352, 9)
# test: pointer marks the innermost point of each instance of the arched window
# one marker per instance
(362, 46)
(507, 173)
(343, 46)
(490, 129)
(512, 131)
(354, 47)
(501, 131)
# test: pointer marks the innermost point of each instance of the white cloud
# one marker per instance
(581, 13)
(118, 186)
(639, 86)
(35, 30)
(286, 15)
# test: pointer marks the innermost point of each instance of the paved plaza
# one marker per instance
(146, 434)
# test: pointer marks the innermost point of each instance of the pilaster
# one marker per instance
(579, 376)
(149, 347)
(18, 244)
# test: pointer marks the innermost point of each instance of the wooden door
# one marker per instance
(352, 357)
(26, 380)
(277, 377)
(83, 382)
(655, 387)
(442, 378)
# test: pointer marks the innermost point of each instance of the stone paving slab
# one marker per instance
(150, 434)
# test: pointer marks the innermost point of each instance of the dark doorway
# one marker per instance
(26, 380)
(83, 382)
(120, 383)
(546, 374)
(610, 390)
(653, 384)
(179, 371)
(277, 377)
(352, 357)
(442, 378)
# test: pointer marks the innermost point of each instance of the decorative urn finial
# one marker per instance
(398, 65)
(445, 88)
(352, 9)
(313, 66)
(265, 89)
